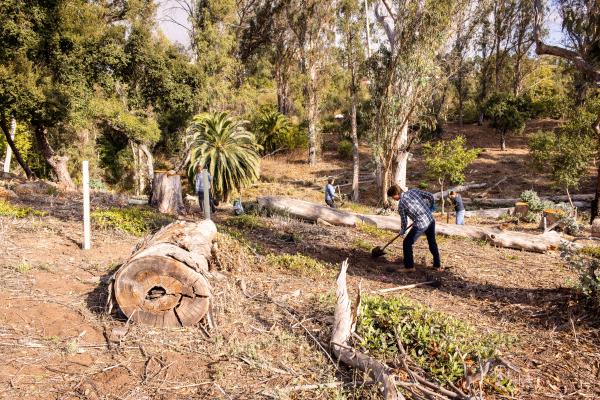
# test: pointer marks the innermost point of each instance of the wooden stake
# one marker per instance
(206, 200)
(86, 207)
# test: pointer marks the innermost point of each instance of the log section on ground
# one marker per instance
(512, 202)
(496, 236)
(165, 281)
(459, 188)
(490, 212)
(167, 193)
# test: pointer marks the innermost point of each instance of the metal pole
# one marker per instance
(206, 200)
(86, 207)
(13, 130)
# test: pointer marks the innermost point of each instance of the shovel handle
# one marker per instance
(395, 237)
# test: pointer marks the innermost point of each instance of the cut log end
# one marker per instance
(165, 285)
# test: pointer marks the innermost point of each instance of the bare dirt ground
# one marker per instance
(273, 324)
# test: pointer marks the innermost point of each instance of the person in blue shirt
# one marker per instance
(418, 206)
(200, 189)
(330, 193)
(459, 207)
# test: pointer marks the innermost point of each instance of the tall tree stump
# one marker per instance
(521, 209)
(167, 193)
(165, 281)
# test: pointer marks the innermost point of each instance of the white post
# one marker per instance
(86, 207)
(206, 200)
(13, 130)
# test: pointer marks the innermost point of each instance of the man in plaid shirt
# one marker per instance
(416, 205)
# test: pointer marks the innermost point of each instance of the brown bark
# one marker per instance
(57, 163)
(167, 193)
(165, 281)
(355, 153)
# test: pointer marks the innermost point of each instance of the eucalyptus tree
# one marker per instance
(406, 71)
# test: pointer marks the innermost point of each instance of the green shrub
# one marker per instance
(137, 221)
(586, 263)
(345, 149)
(300, 263)
(423, 185)
(438, 343)
(362, 244)
(374, 231)
(10, 210)
(245, 221)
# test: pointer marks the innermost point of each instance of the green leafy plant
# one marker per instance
(247, 221)
(345, 149)
(447, 160)
(586, 263)
(438, 343)
(275, 132)
(227, 149)
(10, 210)
(300, 263)
(137, 221)
(503, 109)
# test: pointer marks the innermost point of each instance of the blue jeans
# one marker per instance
(411, 238)
(460, 217)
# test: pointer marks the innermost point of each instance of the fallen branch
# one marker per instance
(459, 188)
(342, 330)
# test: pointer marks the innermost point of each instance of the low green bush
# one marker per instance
(345, 149)
(245, 221)
(10, 210)
(136, 221)
(440, 344)
(300, 263)
(586, 262)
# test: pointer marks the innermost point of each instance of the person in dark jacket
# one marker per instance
(459, 207)
(330, 193)
(417, 205)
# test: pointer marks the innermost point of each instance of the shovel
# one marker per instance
(379, 251)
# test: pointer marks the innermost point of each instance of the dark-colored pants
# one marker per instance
(411, 238)
(330, 203)
(210, 201)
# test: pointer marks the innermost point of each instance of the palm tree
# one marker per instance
(273, 131)
(227, 149)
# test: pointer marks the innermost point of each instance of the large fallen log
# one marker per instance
(459, 188)
(490, 212)
(496, 236)
(165, 281)
(511, 202)
(306, 210)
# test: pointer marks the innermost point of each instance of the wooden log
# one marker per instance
(167, 193)
(510, 202)
(306, 210)
(165, 281)
(498, 237)
(342, 330)
(490, 213)
(459, 188)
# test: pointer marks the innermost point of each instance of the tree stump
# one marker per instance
(167, 193)
(165, 281)
(550, 217)
(521, 209)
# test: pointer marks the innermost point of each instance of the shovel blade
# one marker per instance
(377, 252)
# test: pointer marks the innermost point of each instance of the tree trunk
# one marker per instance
(498, 237)
(459, 188)
(401, 160)
(312, 114)
(595, 215)
(283, 89)
(167, 193)
(8, 157)
(17, 153)
(355, 154)
(503, 141)
(57, 163)
(385, 177)
(165, 281)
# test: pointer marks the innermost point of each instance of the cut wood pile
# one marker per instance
(494, 235)
(165, 282)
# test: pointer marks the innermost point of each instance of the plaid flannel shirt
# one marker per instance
(416, 204)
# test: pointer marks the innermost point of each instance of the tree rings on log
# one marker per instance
(164, 283)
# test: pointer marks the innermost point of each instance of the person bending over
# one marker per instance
(417, 205)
